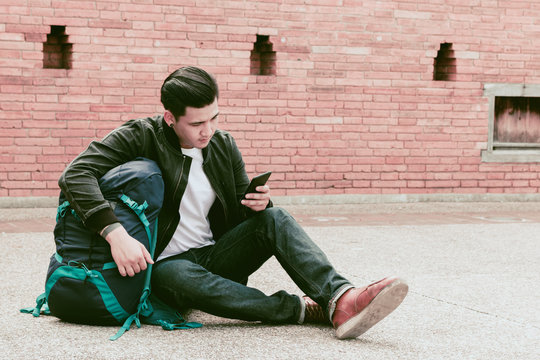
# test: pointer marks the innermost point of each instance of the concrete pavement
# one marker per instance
(473, 271)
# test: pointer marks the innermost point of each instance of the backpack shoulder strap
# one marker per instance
(143, 306)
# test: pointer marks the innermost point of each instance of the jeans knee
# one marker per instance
(274, 220)
(174, 273)
(276, 214)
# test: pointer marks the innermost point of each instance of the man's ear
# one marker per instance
(169, 118)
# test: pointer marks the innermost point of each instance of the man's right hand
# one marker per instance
(129, 254)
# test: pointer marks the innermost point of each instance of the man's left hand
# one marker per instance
(259, 200)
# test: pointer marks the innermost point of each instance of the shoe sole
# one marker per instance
(383, 304)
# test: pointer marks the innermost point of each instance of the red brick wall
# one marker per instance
(353, 107)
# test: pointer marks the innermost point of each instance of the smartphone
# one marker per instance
(258, 180)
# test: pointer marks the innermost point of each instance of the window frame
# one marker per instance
(512, 152)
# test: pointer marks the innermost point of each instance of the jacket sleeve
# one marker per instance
(241, 179)
(80, 180)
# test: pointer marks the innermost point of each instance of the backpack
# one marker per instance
(83, 284)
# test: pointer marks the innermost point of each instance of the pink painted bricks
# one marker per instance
(333, 96)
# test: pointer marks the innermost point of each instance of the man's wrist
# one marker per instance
(108, 229)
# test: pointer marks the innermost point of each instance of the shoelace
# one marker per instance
(314, 312)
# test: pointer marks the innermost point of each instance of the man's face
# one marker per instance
(196, 127)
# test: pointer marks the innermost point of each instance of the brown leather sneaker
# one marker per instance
(314, 312)
(360, 308)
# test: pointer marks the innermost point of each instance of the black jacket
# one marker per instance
(152, 139)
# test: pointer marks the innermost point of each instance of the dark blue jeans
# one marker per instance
(213, 278)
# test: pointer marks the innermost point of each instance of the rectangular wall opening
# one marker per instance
(445, 64)
(263, 58)
(57, 50)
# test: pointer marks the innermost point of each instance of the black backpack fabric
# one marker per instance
(83, 284)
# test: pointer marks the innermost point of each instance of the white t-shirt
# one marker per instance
(193, 230)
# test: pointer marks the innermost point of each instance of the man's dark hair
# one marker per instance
(188, 86)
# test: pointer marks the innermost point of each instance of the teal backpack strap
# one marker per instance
(166, 317)
(61, 210)
(150, 309)
(41, 302)
(143, 307)
(126, 326)
(184, 325)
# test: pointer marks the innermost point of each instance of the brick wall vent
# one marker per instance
(445, 64)
(57, 50)
(263, 58)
